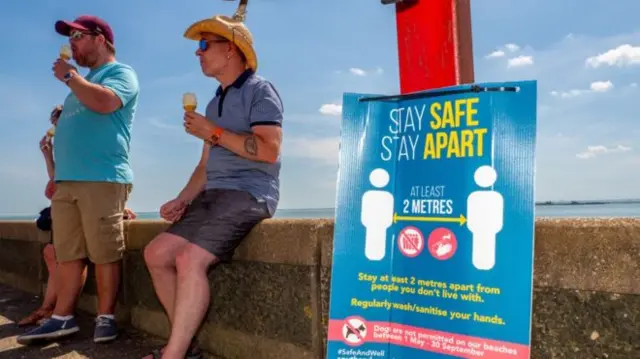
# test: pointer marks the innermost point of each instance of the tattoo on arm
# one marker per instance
(251, 146)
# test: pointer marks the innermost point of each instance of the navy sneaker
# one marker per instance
(50, 329)
(106, 330)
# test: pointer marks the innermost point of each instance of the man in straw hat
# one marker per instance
(93, 175)
(234, 186)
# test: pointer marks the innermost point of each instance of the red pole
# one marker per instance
(435, 47)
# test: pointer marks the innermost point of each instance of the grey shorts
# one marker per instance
(217, 220)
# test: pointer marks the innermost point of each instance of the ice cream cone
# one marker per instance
(65, 52)
(52, 131)
(189, 102)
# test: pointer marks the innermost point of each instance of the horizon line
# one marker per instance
(549, 202)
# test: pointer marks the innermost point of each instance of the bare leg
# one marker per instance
(160, 257)
(192, 299)
(84, 278)
(49, 300)
(107, 280)
(69, 282)
(50, 296)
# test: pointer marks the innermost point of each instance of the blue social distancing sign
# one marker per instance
(434, 232)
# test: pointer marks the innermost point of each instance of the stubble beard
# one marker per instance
(88, 60)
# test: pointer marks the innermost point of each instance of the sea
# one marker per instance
(564, 210)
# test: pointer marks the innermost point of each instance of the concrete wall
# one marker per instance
(272, 301)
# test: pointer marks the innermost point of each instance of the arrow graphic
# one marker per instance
(462, 220)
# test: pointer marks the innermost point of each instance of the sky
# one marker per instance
(313, 51)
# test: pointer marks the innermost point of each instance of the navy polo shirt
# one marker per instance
(249, 101)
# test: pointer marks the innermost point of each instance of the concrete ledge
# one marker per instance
(222, 341)
(272, 301)
(22, 231)
(21, 263)
(585, 324)
(587, 254)
(273, 241)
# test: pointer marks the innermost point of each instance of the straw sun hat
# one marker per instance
(231, 28)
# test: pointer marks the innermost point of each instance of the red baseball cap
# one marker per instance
(86, 23)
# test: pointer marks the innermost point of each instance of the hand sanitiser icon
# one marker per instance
(377, 215)
(485, 212)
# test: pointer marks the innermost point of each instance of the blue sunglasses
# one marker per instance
(203, 44)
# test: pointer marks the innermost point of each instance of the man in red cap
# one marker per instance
(93, 175)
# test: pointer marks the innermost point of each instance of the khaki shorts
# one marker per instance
(87, 221)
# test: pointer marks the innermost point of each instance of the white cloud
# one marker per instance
(495, 54)
(322, 149)
(593, 151)
(623, 55)
(520, 61)
(501, 51)
(598, 86)
(601, 86)
(331, 109)
(568, 94)
(357, 71)
(512, 47)
(589, 119)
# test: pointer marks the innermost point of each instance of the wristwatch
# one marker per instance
(67, 77)
(215, 136)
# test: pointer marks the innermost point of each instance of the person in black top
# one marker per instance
(44, 223)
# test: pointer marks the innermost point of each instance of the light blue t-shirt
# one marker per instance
(89, 146)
